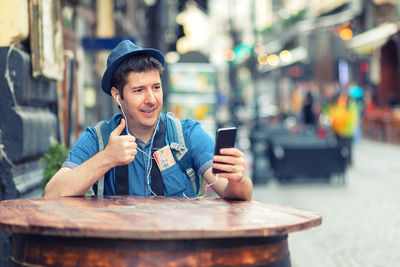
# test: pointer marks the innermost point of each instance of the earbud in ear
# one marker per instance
(118, 101)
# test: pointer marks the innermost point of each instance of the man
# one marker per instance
(133, 79)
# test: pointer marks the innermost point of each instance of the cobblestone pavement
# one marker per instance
(361, 218)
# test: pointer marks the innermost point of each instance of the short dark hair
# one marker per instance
(136, 63)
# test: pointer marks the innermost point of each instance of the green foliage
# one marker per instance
(300, 15)
(52, 160)
(267, 31)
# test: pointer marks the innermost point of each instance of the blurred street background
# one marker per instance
(360, 218)
(312, 86)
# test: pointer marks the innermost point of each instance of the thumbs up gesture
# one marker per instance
(121, 149)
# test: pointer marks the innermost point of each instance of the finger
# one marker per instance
(230, 172)
(133, 153)
(128, 138)
(233, 151)
(126, 145)
(228, 168)
(132, 145)
(117, 131)
(232, 160)
(129, 156)
(223, 159)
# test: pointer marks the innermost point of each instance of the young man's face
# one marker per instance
(143, 99)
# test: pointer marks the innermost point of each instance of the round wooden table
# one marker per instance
(150, 231)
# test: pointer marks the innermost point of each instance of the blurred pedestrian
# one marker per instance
(344, 116)
(356, 93)
(308, 112)
(296, 99)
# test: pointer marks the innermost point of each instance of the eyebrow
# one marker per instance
(141, 86)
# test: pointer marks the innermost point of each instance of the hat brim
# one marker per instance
(106, 81)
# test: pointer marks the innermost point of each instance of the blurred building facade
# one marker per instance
(267, 49)
(332, 44)
(304, 40)
(52, 60)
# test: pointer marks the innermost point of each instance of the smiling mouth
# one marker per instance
(148, 110)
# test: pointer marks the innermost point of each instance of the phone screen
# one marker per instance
(225, 138)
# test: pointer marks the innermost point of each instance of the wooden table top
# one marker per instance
(132, 217)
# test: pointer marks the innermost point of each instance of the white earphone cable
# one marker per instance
(206, 189)
(149, 162)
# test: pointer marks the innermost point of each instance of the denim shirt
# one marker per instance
(176, 182)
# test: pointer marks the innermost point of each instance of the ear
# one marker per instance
(114, 94)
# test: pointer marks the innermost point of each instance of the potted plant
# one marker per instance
(52, 160)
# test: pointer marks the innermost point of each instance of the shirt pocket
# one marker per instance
(174, 181)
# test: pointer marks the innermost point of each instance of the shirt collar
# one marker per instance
(156, 131)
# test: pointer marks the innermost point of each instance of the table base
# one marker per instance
(35, 250)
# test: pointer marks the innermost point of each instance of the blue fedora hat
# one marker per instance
(122, 51)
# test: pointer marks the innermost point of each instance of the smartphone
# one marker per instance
(225, 138)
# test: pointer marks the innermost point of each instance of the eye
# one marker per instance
(138, 90)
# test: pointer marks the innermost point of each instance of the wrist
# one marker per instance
(106, 160)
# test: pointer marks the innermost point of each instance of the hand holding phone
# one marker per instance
(225, 139)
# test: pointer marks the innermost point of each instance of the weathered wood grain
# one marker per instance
(53, 251)
(151, 218)
(155, 231)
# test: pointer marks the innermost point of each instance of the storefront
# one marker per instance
(382, 108)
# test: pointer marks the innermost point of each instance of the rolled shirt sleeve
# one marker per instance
(201, 145)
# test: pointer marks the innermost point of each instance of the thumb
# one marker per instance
(117, 131)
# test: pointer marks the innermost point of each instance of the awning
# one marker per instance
(366, 42)
(319, 7)
(354, 9)
(380, 2)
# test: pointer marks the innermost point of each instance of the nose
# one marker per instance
(150, 97)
